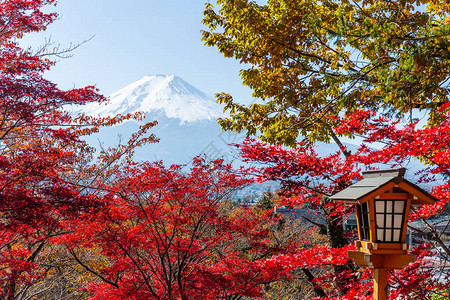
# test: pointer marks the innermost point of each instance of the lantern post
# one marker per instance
(382, 203)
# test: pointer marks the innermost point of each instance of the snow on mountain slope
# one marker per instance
(186, 118)
(160, 95)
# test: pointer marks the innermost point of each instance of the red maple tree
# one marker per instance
(39, 148)
(170, 235)
(308, 178)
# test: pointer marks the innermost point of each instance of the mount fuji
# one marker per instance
(159, 95)
(186, 118)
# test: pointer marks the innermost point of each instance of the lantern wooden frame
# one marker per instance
(380, 254)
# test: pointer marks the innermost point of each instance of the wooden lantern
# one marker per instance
(382, 202)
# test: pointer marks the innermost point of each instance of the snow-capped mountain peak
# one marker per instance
(160, 96)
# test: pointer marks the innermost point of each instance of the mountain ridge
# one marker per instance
(159, 96)
(186, 118)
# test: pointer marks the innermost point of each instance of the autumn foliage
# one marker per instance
(169, 235)
(40, 147)
(324, 70)
(103, 226)
(309, 179)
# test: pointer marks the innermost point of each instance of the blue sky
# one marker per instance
(135, 38)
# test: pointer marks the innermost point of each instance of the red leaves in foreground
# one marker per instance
(430, 145)
(317, 256)
(157, 233)
(169, 235)
(307, 178)
(39, 148)
(304, 175)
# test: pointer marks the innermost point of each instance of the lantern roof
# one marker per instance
(376, 182)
